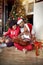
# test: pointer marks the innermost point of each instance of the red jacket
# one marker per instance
(30, 26)
(13, 33)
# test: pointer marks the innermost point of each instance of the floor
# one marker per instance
(11, 56)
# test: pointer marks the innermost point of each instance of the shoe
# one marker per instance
(3, 45)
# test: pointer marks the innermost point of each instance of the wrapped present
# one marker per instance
(37, 45)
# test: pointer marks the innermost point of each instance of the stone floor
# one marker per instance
(11, 56)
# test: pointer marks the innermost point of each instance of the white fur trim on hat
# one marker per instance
(19, 21)
(27, 26)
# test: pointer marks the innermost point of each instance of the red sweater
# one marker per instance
(13, 33)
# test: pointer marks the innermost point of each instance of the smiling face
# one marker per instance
(21, 24)
(14, 26)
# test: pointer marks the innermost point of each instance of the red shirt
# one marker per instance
(13, 33)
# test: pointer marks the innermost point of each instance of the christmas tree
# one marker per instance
(18, 10)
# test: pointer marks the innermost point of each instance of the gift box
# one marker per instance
(37, 46)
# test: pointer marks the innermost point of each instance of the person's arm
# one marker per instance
(6, 33)
(17, 31)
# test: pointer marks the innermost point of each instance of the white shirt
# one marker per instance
(22, 30)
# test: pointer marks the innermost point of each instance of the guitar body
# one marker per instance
(21, 41)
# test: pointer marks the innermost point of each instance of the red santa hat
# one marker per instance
(27, 26)
(19, 20)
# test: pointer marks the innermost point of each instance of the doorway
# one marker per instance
(30, 18)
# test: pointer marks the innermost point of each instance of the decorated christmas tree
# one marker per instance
(18, 10)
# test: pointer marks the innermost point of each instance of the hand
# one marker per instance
(4, 33)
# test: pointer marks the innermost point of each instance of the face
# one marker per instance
(14, 27)
(21, 24)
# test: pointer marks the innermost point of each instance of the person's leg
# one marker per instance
(9, 42)
(29, 47)
(18, 46)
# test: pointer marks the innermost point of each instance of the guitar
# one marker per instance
(21, 41)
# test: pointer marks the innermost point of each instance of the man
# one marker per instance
(21, 23)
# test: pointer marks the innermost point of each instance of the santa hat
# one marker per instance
(19, 20)
(27, 26)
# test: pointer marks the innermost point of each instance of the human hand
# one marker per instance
(4, 33)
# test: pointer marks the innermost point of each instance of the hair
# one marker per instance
(24, 20)
(12, 22)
